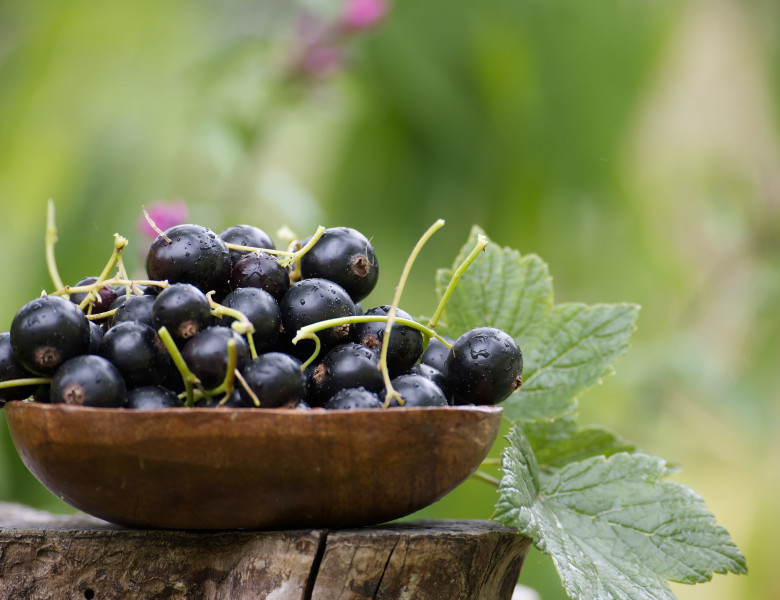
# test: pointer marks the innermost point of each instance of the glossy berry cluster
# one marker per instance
(230, 321)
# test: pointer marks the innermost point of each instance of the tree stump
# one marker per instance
(45, 556)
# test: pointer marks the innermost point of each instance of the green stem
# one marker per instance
(103, 315)
(317, 346)
(491, 462)
(486, 478)
(250, 339)
(120, 243)
(287, 257)
(12, 383)
(187, 376)
(320, 325)
(248, 389)
(391, 393)
(479, 247)
(51, 239)
(228, 384)
(241, 325)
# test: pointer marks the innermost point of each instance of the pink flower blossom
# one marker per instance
(165, 215)
(362, 14)
(321, 59)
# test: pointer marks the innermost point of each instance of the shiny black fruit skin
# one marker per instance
(312, 300)
(484, 366)
(88, 380)
(416, 390)
(194, 255)
(135, 308)
(96, 333)
(152, 397)
(235, 400)
(11, 369)
(137, 352)
(405, 346)
(106, 296)
(345, 366)
(433, 374)
(276, 379)
(351, 398)
(436, 353)
(260, 271)
(206, 354)
(48, 331)
(183, 310)
(263, 312)
(245, 235)
(345, 256)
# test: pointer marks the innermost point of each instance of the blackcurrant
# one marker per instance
(436, 353)
(96, 333)
(312, 300)
(137, 352)
(183, 310)
(431, 373)
(234, 400)
(152, 397)
(275, 379)
(88, 380)
(246, 235)
(260, 271)
(405, 345)
(345, 366)
(48, 331)
(190, 254)
(350, 398)
(207, 357)
(10, 369)
(135, 308)
(106, 295)
(263, 312)
(484, 366)
(416, 390)
(345, 256)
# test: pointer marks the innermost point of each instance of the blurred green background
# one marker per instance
(633, 145)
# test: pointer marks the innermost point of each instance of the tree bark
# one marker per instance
(45, 556)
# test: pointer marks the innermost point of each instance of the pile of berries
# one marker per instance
(228, 320)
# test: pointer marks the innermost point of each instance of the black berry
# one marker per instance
(48, 331)
(405, 345)
(207, 357)
(345, 366)
(88, 380)
(152, 397)
(312, 300)
(194, 254)
(263, 312)
(484, 366)
(345, 256)
(351, 398)
(11, 369)
(183, 310)
(416, 390)
(246, 235)
(276, 379)
(137, 352)
(260, 271)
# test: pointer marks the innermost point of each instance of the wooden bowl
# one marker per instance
(251, 468)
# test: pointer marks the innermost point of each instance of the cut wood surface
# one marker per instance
(45, 556)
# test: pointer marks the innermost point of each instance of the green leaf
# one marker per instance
(613, 527)
(557, 443)
(576, 345)
(500, 289)
(567, 348)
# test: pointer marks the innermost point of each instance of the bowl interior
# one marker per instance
(251, 468)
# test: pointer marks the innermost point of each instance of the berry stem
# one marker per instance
(103, 315)
(479, 247)
(391, 393)
(187, 376)
(12, 383)
(320, 325)
(485, 477)
(287, 257)
(120, 243)
(248, 389)
(51, 239)
(153, 225)
(229, 383)
(309, 335)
